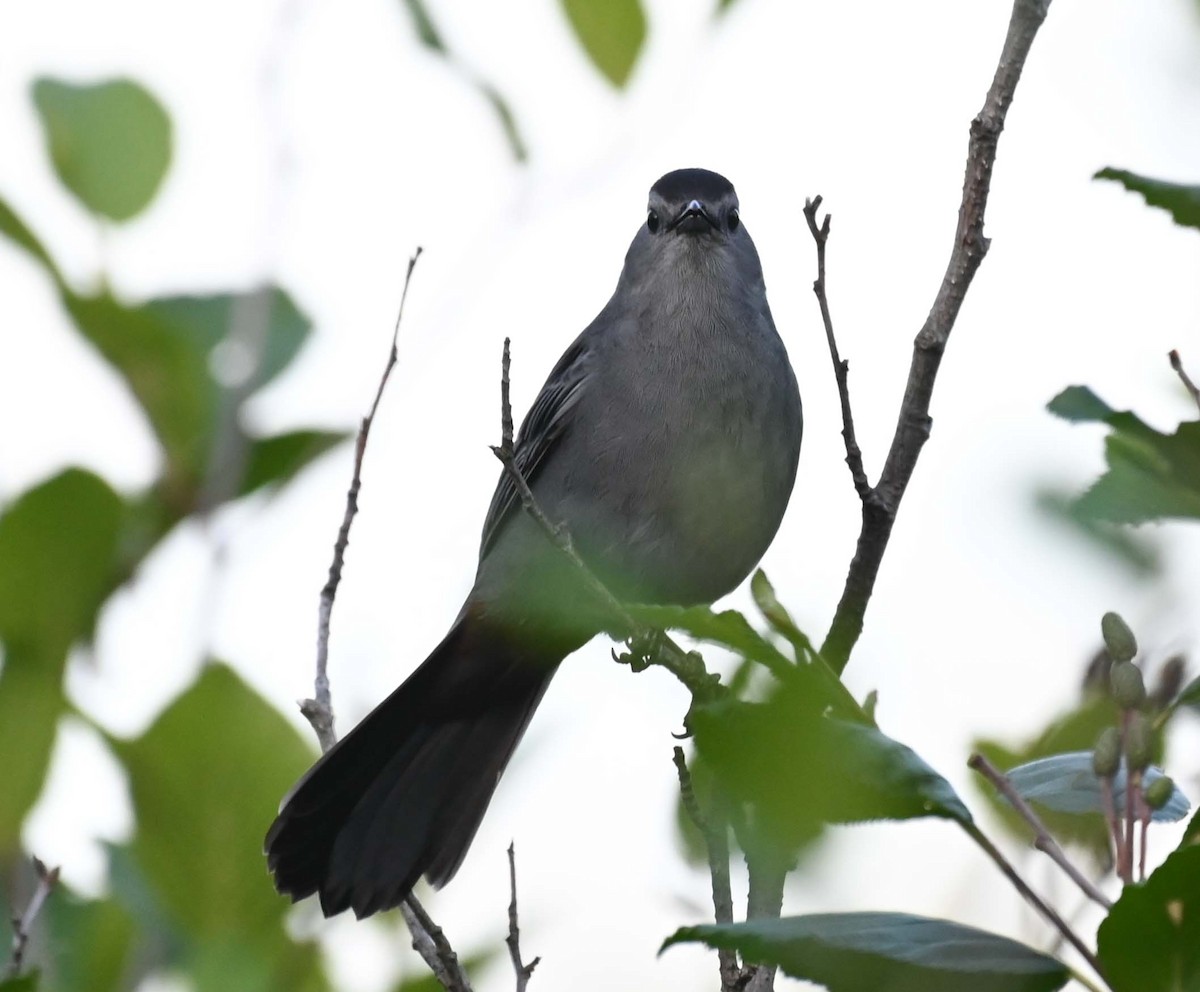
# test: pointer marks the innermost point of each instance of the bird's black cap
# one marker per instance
(692, 184)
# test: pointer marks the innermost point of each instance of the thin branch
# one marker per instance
(22, 924)
(841, 367)
(912, 429)
(319, 710)
(1177, 365)
(647, 647)
(1047, 913)
(430, 942)
(1042, 841)
(716, 846)
(513, 940)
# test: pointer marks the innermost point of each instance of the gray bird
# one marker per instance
(666, 440)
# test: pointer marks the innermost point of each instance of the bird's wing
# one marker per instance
(547, 421)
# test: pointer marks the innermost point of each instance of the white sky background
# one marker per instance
(317, 144)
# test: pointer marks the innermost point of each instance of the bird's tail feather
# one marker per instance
(403, 793)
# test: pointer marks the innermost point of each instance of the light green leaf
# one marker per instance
(90, 942)
(110, 142)
(869, 952)
(206, 779)
(612, 33)
(1181, 202)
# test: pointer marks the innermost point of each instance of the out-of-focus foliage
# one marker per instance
(110, 143)
(865, 952)
(612, 33)
(1151, 475)
(1181, 202)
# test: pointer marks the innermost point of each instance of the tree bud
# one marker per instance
(1128, 689)
(1118, 638)
(1138, 741)
(1158, 792)
(1106, 756)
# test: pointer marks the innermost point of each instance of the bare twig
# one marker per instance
(1047, 913)
(513, 940)
(1108, 802)
(716, 846)
(647, 647)
(1177, 365)
(841, 367)
(47, 879)
(319, 710)
(1042, 840)
(912, 429)
(430, 942)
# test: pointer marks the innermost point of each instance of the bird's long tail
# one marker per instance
(403, 793)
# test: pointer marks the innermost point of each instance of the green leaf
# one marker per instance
(278, 459)
(1192, 831)
(1181, 202)
(1066, 783)
(612, 33)
(110, 142)
(58, 545)
(1151, 475)
(90, 943)
(803, 768)
(1134, 549)
(164, 348)
(869, 952)
(1150, 940)
(23, 983)
(17, 231)
(206, 778)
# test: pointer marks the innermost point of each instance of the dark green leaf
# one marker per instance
(89, 943)
(23, 983)
(1181, 202)
(1192, 831)
(1150, 941)
(1189, 696)
(1150, 475)
(164, 351)
(802, 768)
(17, 231)
(869, 952)
(276, 460)
(110, 143)
(612, 33)
(1066, 783)
(206, 779)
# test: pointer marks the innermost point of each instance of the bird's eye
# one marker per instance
(652, 222)
(734, 219)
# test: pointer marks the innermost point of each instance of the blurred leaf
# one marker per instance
(278, 459)
(164, 348)
(1150, 940)
(110, 142)
(1133, 549)
(1075, 730)
(206, 778)
(1150, 475)
(802, 768)
(1066, 783)
(58, 543)
(1181, 202)
(869, 952)
(57, 548)
(23, 983)
(776, 614)
(89, 943)
(429, 36)
(1192, 831)
(612, 33)
(1189, 696)
(723, 6)
(227, 963)
(16, 230)
(732, 630)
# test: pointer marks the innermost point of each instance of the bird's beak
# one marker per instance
(693, 219)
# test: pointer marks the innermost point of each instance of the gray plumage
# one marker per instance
(666, 440)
